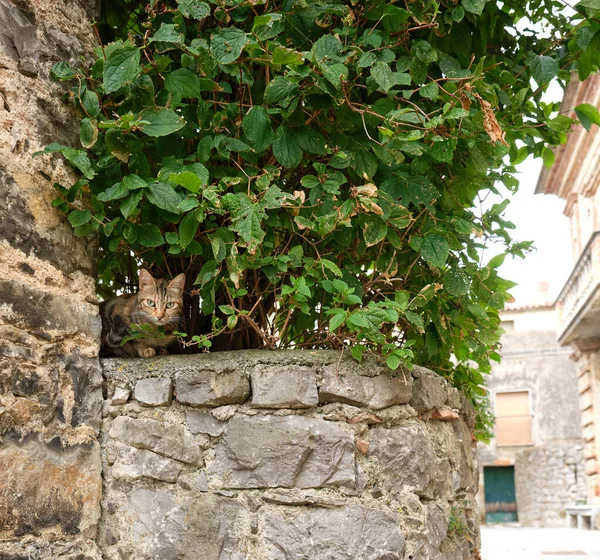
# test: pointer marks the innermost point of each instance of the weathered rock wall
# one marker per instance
(559, 473)
(283, 455)
(50, 378)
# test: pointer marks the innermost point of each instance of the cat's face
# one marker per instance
(160, 301)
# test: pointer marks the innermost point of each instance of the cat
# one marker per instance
(158, 303)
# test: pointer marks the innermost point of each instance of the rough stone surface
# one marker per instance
(120, 396)
(429, 390)
(133, 463)
(284, 387)
(50, 379)
(210, 388)
(348, 386)
(203, 422)
(407, 459)
(49, 488)
(153, 391)
(558, 468)
(165, 439)
(344, 534)
(335, 481)
(289, 451)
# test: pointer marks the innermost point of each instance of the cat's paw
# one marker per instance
(146, 352)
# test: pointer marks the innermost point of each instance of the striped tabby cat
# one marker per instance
(158, 303)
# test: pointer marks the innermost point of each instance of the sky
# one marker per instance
(538, 218)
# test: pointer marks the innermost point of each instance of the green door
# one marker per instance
(500, 497)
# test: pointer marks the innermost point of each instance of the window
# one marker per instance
(513, 418)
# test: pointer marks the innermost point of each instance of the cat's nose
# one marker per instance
(159, 316)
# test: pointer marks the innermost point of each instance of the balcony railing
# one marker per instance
(578, 296)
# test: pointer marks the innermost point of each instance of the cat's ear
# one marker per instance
(177, 283)
(146, 280)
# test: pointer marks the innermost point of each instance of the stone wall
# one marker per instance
(285, 455)
(50, 378)
(559, 474)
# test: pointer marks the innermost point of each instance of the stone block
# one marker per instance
(350, 533)
(285, 386)
(133, 463)
(212, 388)
(290, 451)
(348, 386)
(120, 396)
(165, 439)
(154, 391)
(46, 487)
(407, 459)
(203, 422)
(167, 528)
(429, 390)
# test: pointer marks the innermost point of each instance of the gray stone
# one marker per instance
(203, 422)
(429, 390)
(133, 463)
(212, 388)
(154, 392)
(111, 537)
(291, 451)
(407, 460)
(162, 438)
(120, 396)
(283, 386)
(348, 386)
(158, 524)
(351, 533)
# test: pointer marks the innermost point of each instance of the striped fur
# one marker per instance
(158, 303)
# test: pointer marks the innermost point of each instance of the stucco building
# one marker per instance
(533, 470)
(575, 177)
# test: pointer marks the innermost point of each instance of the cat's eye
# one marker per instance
(170, 305)
(150, 302)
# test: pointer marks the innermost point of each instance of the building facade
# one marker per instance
(533, 470)
(575, 177)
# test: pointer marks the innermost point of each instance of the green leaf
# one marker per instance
(456, 282)
(474, 6)
(281, 55)
(338, 319)
(285, 147)
(393, 361)
(219, 248)
(547, 157)
(544, 69)
(331, 266)
(183, 82)
(121, 66)
(161, 122)
(248, 227)
(88, 132)
(424, 51)
(386, 79)
(357, 352)
(130, 203)
(133, 182)
(430, 91)
(117, 191)
(227, 45)
(90, 103)
(149, 235)
(374, 229)
(167, 33)
(164, 196)
(117, 145)
(79, 217)
(279, 89)
(310, 140)
(434, 249)
(257, 128)
(63, 71)
(187, 229)
(78, 158)
(194, 9)
(587, 115)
